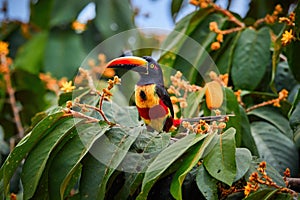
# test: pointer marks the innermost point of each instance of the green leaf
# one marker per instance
(243, 160)
(224, 56)
(131, 184)
(40, 13)
(297, 138)
(275, 118)
(251, 58)
(220, 162)
(247, 138)
(263, 194)
(207, 184)
(38, 157)
(274, 147)
(110, 150)
(113, 17)
(88, 183)
(146, 147)
(295, 113)
(192, 58)
(30, 56)
(113, 154)
(62, 169)
(293, 47)
(182, 41)
(65, 12)
(275, 59)
(233, 107)
(64, 53)
(193, 100)
(25, 145)
(175, 7)
(189, 162)
(165, 159)
(42, 190)
(124, 115)
(4, 148)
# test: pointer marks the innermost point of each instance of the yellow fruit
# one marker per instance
(214, 95)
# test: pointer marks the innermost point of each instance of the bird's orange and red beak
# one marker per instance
(134, 63)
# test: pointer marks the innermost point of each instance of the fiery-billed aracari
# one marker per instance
(151, 98)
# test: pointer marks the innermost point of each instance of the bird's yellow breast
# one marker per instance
(145, 96)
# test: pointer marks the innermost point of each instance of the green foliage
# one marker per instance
(66, 157)
(251, 58)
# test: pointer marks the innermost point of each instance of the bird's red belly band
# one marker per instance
(155, 112)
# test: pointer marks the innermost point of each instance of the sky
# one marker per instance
(153, 13)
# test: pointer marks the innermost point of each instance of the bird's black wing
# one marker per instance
(164, 96)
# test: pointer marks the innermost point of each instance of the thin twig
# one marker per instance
(235, 29)
(81, 115)
(12, 99)
(96, 109)
(230, 16)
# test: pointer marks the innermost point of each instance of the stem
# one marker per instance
(230, 16)
(12, 99)
(80, 115)
(100, 109)
(258, 22)
(96, 109)
(236, 29)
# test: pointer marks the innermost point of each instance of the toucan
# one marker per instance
(151, 97)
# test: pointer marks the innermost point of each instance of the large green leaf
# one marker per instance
(224, 56)
(185, 46)
(192, 58)
(36, 161)
(46, 14)
(146, 147)
(64, 53)
(40, 13)
(274, 117)
(274, 147)
(113, 17)
(42, 190)
(24, 146)
(243, 159)
(247, 138)
(110, 150)
(88, 182)
(220, 162)
(189, 162)
(114, 154)
(30, 56)
(64, 12)
(207, 184)
(165, 159)
(251, 58)
(233, 107)
(68, 159)
(123, 115)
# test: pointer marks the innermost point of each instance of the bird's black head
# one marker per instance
(146, 66)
